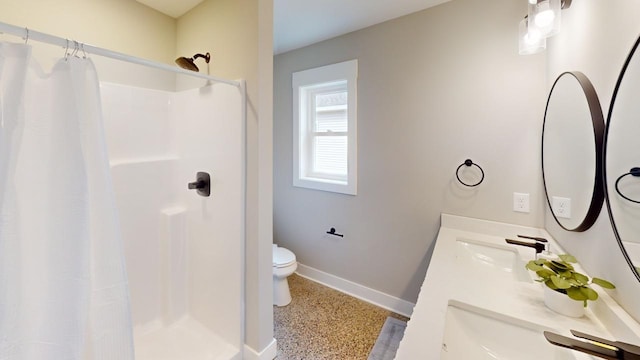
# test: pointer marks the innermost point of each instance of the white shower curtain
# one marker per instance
(63, 284)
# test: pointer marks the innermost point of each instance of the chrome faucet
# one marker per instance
(595, 346)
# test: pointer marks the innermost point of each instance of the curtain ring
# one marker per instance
(76, 47)
(469, 163)
(26, 37)
(84, 53)
(66, 51)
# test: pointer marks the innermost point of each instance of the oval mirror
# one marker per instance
(622, 155)
(572, 136)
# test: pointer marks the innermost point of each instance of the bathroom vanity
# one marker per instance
(479, 302)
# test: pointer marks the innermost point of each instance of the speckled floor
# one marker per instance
(324, 324)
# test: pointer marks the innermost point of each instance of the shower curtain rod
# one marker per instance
(29, 34)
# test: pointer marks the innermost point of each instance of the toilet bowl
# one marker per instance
(284, 264)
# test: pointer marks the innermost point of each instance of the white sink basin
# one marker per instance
(478, 258)
(472, 333)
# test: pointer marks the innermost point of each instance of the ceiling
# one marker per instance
(298, 23)
(173, 8)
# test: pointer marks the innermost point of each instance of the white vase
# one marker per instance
(562, 304)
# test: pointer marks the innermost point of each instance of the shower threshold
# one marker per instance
(186, 339)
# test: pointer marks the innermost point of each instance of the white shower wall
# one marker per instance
(184, 252)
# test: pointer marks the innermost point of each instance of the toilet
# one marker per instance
(284, 264)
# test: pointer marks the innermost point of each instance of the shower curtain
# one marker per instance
(63, 287)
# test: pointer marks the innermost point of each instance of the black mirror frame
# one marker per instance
(604, 158)
(597, 120)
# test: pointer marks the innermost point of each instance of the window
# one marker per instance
(324, 128)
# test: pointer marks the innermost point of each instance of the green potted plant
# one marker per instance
(560, 277)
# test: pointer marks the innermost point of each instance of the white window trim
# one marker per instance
(348, 71)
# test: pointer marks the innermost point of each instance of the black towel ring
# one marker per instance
(468, 162)
(633, 172)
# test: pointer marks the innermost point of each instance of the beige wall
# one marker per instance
(120, 25)
(434, 88)
(238, 34)
(596, 38)
(228, 30)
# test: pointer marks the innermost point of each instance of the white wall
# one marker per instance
(157, 142)
(150, 109)
(209, 129)
(596, 38)
(434, 88)
(238, 34)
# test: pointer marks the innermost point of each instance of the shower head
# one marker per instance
(189, 63)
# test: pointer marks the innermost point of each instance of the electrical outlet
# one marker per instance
(561, 207)
(521, 202)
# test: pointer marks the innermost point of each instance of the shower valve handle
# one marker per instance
(197, 185)
(202, 184)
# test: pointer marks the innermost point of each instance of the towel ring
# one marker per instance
(469, 163)
(633, 172)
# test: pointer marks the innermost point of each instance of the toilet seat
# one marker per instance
(283, 257)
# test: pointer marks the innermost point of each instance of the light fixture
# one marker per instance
(531, 40)
(545, 15)
(542, 21)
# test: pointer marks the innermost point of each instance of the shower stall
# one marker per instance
(184, 252)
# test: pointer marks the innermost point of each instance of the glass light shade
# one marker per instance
(531, 40)
(545, 15)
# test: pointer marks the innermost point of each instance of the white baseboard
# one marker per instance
(268, 353)
(361, 292)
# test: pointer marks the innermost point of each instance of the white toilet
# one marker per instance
(284, 264)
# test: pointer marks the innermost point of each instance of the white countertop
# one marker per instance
(447, 282)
